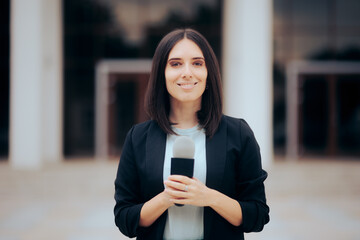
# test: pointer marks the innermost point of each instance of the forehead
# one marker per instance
(185, 47)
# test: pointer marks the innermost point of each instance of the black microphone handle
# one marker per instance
(182, 166)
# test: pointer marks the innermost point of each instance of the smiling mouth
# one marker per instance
(187, 85)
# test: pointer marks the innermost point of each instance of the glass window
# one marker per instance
(312, 30)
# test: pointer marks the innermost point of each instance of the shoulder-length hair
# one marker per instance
(157, 100)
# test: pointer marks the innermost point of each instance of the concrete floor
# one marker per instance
(73, 200)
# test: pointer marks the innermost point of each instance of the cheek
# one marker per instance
(167, 77)
(169, 80)
(171, 73)
(202, 75)
(205, 75)
(170, 77)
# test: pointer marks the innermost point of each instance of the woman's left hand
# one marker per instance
(184, 190)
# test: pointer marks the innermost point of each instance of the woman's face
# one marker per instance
(186, 73)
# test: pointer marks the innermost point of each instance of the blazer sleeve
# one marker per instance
(250, 182)
(127, 191)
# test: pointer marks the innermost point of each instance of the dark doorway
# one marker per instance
(4, 77)
(126, 97)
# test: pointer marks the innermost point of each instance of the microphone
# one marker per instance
(182, 162)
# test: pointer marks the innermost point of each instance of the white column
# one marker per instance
(52, 80)
(247, 67)
(35, 82)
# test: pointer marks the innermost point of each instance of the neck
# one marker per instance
(184, 115)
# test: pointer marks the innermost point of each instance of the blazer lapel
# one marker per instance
(215, 163)
(216, 157)
(154, 164)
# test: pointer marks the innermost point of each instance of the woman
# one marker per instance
(226, 196)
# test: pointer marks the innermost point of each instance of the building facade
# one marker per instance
(59, 49)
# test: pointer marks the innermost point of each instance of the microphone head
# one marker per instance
(184, 147)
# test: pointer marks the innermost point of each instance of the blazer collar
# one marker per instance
(215, 160)
(215, 157)
(155, 154)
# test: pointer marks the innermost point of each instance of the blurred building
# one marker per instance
(71, 67)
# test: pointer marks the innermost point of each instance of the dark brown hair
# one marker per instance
(157, 100)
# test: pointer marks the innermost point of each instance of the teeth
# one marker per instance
(186, 85)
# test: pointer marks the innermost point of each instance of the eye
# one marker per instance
(198, 63)
(174, 63)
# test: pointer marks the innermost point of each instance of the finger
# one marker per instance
(180, 178)
(182, 201)
(169, 187)
(176, 193)
(197, 180)
(175, 185)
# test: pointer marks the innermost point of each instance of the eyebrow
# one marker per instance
(194, 58)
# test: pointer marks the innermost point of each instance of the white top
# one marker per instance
(186, 222)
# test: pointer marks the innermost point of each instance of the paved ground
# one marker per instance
(309, 199)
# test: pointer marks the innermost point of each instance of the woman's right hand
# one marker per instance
(165, 196)
(153, 208)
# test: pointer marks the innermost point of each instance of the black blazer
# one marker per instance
(233, 168)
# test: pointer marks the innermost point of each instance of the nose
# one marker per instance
(187, 73)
